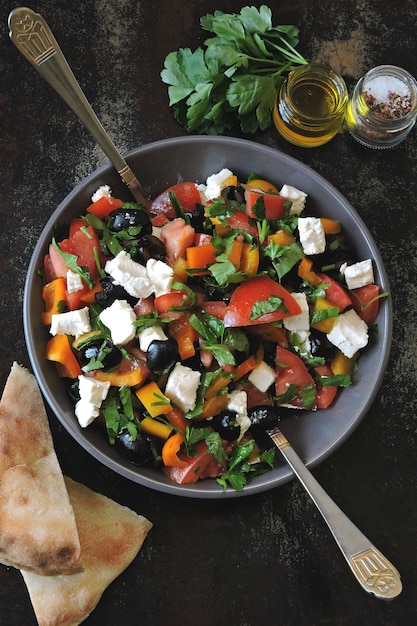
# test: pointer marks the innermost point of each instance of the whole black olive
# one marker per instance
(197, 218)
(320, 346)
(335, 253)
(111, 292)
(225, 423)
(149, 247)
(138, 451)
(74, 391)
(263, 417)
(102, 351)
(162, 354)
(234, 193)
(129, 218)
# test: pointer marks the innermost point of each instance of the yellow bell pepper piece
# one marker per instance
(249, 259)
(341, 364)
(153, 399)
(325, 326)
(152, 427)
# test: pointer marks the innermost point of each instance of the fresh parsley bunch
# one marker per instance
(237, 76)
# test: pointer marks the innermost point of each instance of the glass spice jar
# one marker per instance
(310, 107)
(383, 107)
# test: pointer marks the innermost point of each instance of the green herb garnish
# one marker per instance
(236, 77)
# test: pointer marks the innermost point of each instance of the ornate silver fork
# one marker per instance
(372, 570)
(34, 39)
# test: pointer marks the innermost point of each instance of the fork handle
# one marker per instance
(373, 571)
(34, 39)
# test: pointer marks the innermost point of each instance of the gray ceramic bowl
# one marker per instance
(314, 435)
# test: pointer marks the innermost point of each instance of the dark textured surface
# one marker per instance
(266, 559)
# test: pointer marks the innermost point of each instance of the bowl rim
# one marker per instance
(202, 489)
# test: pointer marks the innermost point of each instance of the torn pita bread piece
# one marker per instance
(38, 530)
(111, 535)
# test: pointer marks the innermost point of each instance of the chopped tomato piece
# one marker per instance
(336, 294)
(188, 196)
(56, 264)
(202, 465)
(177, 237)
(240, 220)
(325, 394)
(167, 301)
(275, 205)
(366, 302)
(104, 206)
(292, 371)
(240, 311)
(85, 245)
(217, 308)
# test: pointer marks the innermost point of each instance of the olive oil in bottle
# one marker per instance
(311, 105)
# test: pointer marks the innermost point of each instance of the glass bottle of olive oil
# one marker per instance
(311, 105)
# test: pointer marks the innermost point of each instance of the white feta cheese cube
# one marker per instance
(74, 282)
(297, 197)
(85, 412)
(262, 376)
(101, 192)
(92, 394)
(359, 274)
(161, 275)
(349, 333)
(182, 385)
(312, 237)
(149, 334)
(73, 323)
(301, 321)
(216, 183)
(238, 402)
(119, 319)
(130, 275)
(91, 390)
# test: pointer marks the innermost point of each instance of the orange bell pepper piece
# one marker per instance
(53, 294)
(117, 378)
(213, 406)
(90, 296)
(58, 349)
(217, 385)
(184, 334)
(306, 272)
(269, 332)
(170, 451)
(235, 253)
(176, 418)
(200, 256)
(282, 238)
(249, 364)
(330, 227)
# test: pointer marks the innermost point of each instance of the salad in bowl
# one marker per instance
(180, 331)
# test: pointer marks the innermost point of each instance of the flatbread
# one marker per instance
(38, 530)
(111, 535)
